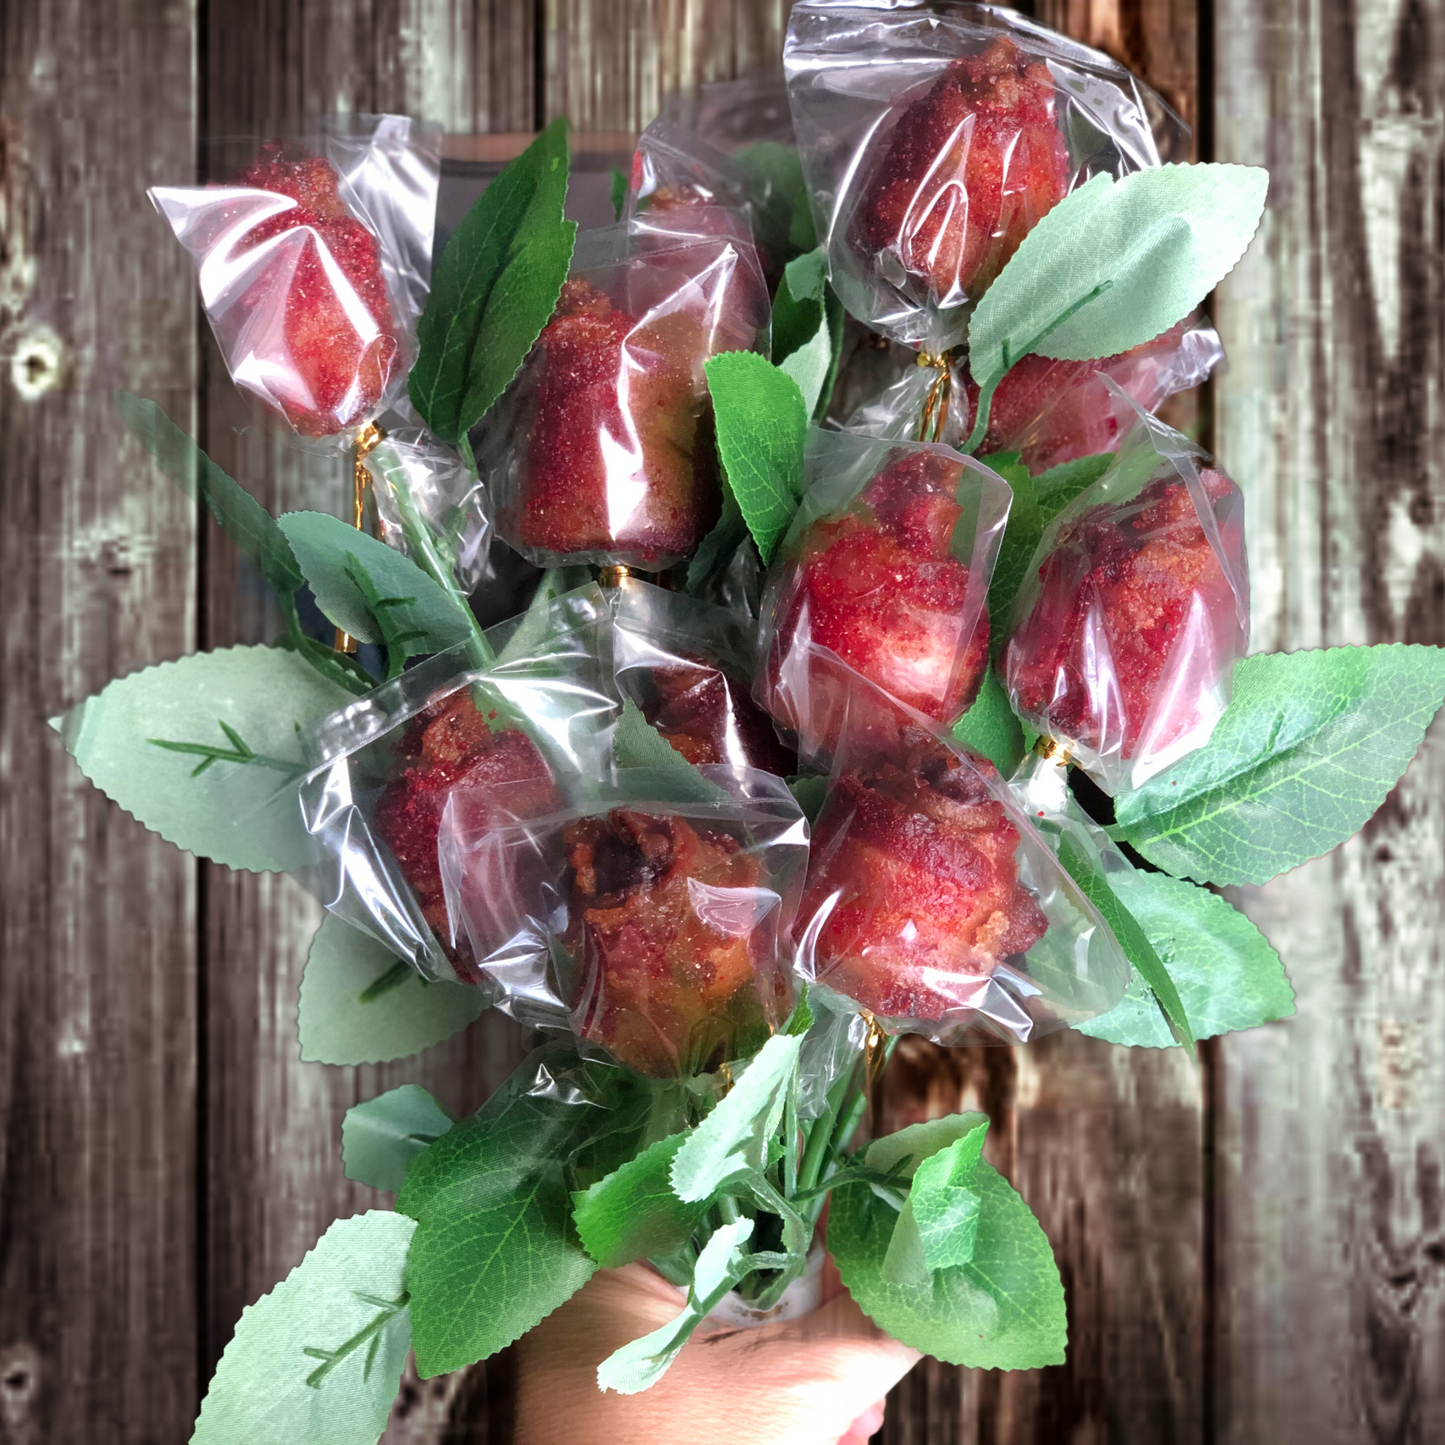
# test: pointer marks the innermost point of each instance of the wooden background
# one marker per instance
(1254, 1251)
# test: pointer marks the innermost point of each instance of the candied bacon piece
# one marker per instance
(707, 715)
(914, 876)
(496, 776)
(1125, 584)
(618, 455)
(971, 167)
(663, 922)
(879, 586)
(339, 336)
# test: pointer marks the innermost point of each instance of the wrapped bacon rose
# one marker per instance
(1135, 612)
(933, 142)
(448, 749)
(313, 261)
(1048, 411)
(689, 666)
(601, 450)
(884, 574)
(932, 902)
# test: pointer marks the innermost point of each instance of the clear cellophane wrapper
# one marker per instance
(518, 737)
(933, 902)
(314, 260)
(1134, 611)
(655, 918)
(884, 572)
(601, 451)
(689, 668)
(412, 470)
(1048, 411)
(933, 140)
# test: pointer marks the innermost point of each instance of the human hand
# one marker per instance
(817, 1380)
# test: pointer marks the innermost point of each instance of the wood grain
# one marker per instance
(1331, 1135)
(97, 916)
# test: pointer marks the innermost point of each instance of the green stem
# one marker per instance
(427, 554)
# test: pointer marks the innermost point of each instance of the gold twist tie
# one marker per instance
(367, 440)
(613, 576)
(1053, 751)
(935, 405)
(874, 1049)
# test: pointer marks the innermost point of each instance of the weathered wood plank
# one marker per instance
(97, 917)
(1331, 1140)
(273, 1123)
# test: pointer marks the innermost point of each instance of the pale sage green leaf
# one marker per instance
(207, 751)
(1307, 750)
(330, 552)
(382, 1136)
(340, 1024)
(732, 1144)
(319, 1359)
(1116, 263)
(1227, 974)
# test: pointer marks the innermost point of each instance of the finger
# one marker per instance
(866, 1426)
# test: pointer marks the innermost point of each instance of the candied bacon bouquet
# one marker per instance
(884, 574)
(313, 257)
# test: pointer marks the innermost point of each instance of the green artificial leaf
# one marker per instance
(419, 612)
(1057, 487)
(208, 751)
(1227, 974)
(382, 1136)
(235, 510)
(905, 1149)
(359, 1007)
(732, 1143)
(808, 330)
(494, 289)
(938, 1224)
(641, 1363)
(495, 1250)
(1305, 753)
(990, 727)
(716, 550)
(1139, 254)
(637, 744)
(344, 1305)
(761, 426)
(775, 173)
(810, 794)
(1020, 538)
(1003, 1310)
(801, 1018)
(618, 190)
(1138, 949)
(634, 1213)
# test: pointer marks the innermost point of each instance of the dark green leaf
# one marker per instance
(634, 1213)
(495, 1250)
(162, 744)
(494, 289)
(1303, 756)
(235, 510)
(1003, 1310)
(761, 426)
(717, 548)
(619, 192)
(1058, 486)
(329, 551)
(810, 794)
(990, 728)
(1020, 538)
(382, 1136)
(339, 1024)
(1227, 974)
(1086, 872)
(345, 1305)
